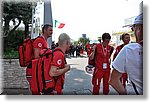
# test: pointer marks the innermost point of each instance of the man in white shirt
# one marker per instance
(130, 60)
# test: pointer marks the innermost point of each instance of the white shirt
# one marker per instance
(130, 60)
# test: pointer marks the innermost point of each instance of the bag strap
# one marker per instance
(43, 77)
(134, 88)
(23, 48)
(121, 46)
(95, 52)
(111, 50)
(60, 51)
(57, 50)
(37, 77)
(44, 52)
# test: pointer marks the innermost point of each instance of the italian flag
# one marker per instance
(58, 24)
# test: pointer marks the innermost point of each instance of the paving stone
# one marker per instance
(77, 81)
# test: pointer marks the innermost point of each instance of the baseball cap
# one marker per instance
(138, 19)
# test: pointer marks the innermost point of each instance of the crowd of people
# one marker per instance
(75, 50)
(126, 63)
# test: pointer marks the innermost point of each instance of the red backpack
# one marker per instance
(92, 62)
(42, 82)
(26, 52)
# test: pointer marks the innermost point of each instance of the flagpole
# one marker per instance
(48, 17)
(57, 29)
(54, 31)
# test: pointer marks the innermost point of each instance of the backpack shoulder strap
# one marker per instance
(60, 51)
(121, 46)
(57, 50)
(43, 52)
(39, 37)
(111, 49)
(95, 52)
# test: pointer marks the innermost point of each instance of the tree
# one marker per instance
(17, 12)
(9, 13)
(84, 41)
(26, 16)
(100, 39)
(22, 11)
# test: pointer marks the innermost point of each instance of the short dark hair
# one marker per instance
(123, 35)
(106, 36)
(46, 26)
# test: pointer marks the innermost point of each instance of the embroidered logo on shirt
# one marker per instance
(140, 52)
(59, 62)
(39, 44)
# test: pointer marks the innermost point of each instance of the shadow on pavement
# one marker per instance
(77, 82)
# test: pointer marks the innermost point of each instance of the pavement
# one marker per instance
(16, 91)
(77, 81)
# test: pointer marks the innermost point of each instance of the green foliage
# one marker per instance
(100, 39)
(76, 42)
(83, 40)
(13, 10)
(14, 40)
(22, 11)
(10, 54)
(16, 37)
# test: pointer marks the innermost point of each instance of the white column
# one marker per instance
(32, 28)
(141, 7)
(48, 17)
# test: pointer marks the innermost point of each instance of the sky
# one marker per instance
(92, 17)
(144, 98)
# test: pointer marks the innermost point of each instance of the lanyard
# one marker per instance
(104, 52)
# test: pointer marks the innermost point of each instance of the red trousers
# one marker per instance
(96, 80)
(58, 90)
(29, 78)
(81, 52)
(29, 75)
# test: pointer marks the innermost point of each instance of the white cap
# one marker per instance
(138, 19)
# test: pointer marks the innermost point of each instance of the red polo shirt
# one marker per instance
(100, 57)
(59, 61)
(118, 48)
(40, 43)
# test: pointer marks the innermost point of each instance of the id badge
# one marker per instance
(104, 65)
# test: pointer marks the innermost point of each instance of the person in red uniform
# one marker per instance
(39, 44)
(91, 62)
(59, 65)
(81, 50)
(102, 64)
(126, 39)
(88, 47)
